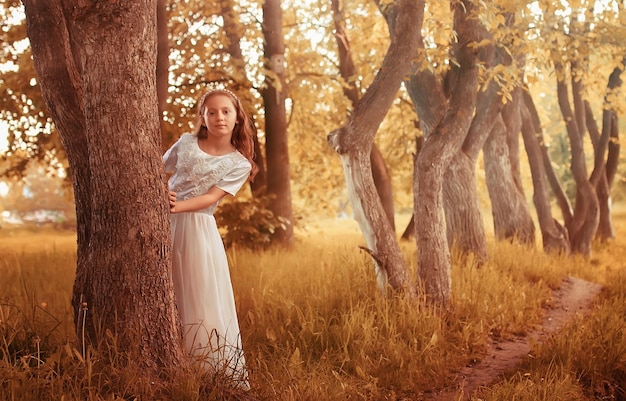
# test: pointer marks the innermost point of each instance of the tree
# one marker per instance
(234, 31)
(354, 141)
(574, 41)
(276, 141)
(433, 258)
(511, 215)
(554, 235)
(380, 172)
(96, 65)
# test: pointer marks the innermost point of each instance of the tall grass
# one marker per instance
(315, 327)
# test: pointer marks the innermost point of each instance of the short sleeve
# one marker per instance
(170, 158)
(234, 180)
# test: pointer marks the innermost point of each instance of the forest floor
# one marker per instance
(574, 296)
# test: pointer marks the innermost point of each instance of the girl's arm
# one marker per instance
(199, 202)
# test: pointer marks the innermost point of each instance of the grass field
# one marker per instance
(315, 327)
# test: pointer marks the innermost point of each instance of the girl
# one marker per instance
(214, 161)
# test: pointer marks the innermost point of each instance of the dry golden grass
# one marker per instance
(316, 328)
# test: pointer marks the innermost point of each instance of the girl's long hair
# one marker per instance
(243, 132)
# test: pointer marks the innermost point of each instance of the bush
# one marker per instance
(249, 224)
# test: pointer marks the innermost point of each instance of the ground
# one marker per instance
(574, 296)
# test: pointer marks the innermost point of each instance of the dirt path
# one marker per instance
(573, 297)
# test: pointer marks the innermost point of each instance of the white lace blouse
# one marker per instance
(195, 171)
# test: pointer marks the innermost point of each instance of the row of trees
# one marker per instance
(460, 77)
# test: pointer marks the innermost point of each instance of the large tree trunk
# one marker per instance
(434, 262)
(97, 71)
(427, 95)
(382, 179)
(162, 69)
(465, 229)
(354, 142)
(464, 222)
(511, 217)
(276, 147)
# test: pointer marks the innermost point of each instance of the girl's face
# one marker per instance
(219, 115)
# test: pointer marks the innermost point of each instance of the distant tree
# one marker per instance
(554, 235)
(242, 85)
(276, 138)
(572, 43)
(96, 65)
(512, 218)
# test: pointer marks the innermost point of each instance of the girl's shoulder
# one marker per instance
(186, 140)
(240, 158)
(187, 137)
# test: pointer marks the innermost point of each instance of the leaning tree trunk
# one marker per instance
(554, 236)
(111, 127)
(433, 253)
(382, 179)
(598, 178)
(426, 92)
(601, 142)
(276, 146)
(533, 126)
(354, 142)
(586, 211)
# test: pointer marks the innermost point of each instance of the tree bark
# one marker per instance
(554, 236)
(354, 142)
(162, 69)
(97, 68)
(511, 218)
(276, 143)
(464, 222)
(598, 178)
(586, 212)
(61, 87)
(382, 179)
(605, 168)
(444, 142)
(537, 133)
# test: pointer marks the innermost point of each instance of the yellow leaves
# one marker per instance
(575, 3)
(506, 77)
(496, 22)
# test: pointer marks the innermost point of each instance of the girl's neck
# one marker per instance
(215, 147)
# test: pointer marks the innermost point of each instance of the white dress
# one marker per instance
(204, 293)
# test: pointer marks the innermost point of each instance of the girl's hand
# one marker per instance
(172, 202)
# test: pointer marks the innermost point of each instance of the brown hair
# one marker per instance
(242, 138)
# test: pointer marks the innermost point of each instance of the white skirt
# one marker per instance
(204, 295)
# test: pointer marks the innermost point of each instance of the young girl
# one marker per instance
(213, 162)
